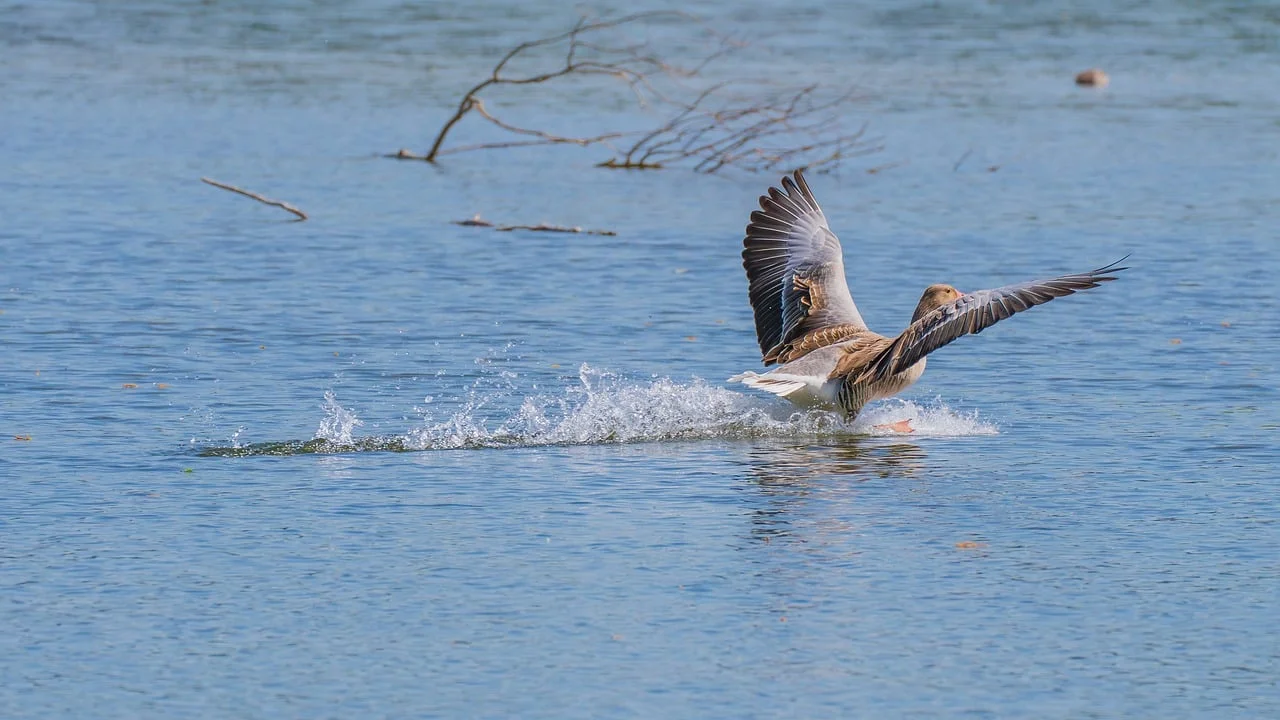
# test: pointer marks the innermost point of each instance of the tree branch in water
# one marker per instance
(264, 200)
(707, 129)
(477, 221)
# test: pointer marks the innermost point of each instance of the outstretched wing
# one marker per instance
(795, 275)
(975, 312)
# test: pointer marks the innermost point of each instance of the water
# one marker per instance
(379, 464)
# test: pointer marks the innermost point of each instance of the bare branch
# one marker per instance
(477, 221)
(548, 138)
(735, 134)
(571, 65)
(708, 129)
(543, 227)
(264, 200)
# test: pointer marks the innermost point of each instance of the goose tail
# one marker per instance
(779, 384)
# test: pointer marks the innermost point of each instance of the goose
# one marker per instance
(807, 324)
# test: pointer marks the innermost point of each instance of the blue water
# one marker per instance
(379, 464)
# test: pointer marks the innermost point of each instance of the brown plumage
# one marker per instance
(806, 319)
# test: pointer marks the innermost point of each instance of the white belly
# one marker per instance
(815, 394)
(806, 382)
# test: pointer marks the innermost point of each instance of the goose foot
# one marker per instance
(902, 426)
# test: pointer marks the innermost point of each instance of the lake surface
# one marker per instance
(378, 464)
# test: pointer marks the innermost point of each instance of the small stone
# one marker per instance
(1093, 77)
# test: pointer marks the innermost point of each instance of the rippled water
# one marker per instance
(379, 464)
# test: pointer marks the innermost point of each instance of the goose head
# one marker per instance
(934, 297)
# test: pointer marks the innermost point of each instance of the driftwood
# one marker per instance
(543, 227)
(477, 221)
(264, 200)
(708, 129)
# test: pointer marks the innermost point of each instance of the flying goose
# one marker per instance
(806, 321)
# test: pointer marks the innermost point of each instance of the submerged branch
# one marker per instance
(543, 227)
(264, 200)
(477, 221)
(707, 129)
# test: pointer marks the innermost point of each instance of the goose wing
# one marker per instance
(973, 313)
(795, 275)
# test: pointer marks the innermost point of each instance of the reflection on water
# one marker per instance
(787, 476)
(797, 465)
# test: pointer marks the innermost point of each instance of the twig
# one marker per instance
(264, 200)
(736, 132)
(543, 227)
(477, 221)
(544, 138)
(629, 164)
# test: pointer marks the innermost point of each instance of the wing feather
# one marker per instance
(795, 273)
(973, 313)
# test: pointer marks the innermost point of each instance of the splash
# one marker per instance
(605, 408)
(932, 419)
(339, 424)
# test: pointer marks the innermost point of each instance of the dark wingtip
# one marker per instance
(802, 183)
(768, 201)
(793, 182)
(1112, 268)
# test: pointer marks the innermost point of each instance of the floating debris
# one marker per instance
(1093, 77)
(477, 221)
(264, 200)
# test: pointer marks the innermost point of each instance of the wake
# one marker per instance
(604, 408)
